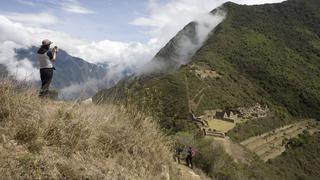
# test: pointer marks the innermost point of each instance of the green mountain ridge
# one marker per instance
(266, 53)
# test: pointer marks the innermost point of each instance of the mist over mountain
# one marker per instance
(74, 77)
(69, 69)
(262, 54)
(183, 46)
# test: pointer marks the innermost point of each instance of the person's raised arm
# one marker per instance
(54, 53)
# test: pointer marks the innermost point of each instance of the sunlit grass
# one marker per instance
(43, 139)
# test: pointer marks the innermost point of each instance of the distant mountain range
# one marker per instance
(74, 77)
(69, 69)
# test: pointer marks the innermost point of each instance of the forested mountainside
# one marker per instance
(267, 54)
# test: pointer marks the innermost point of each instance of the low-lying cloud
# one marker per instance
(33, 19)
(23, 69)
(185, 44)
(163, 21)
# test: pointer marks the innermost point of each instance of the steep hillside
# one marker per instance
(43, 139)
(301, 161)
(266, 54)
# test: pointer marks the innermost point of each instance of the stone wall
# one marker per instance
(254, 112)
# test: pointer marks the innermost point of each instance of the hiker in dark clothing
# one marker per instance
(189, 157)
(46, 57)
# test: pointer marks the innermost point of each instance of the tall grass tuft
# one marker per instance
(43, 139)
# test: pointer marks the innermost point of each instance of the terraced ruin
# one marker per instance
(272, 144)
(218, 122)
(204, 72)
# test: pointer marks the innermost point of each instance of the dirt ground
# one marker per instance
(236, 151)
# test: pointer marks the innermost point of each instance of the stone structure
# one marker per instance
(213, 132)
(204, 72)
(254, 112)
(204, 126)
(234, 115)
(229, 116)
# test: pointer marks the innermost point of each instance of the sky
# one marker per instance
(86, 19)
(122, 33)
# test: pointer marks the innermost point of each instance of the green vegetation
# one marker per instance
(210, 156)
(257, 127)
(299, 141)
(267, 54)
(301, 160)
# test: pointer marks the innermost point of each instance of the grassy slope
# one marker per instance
(41, 139)
(268, 54)
(300, 162)
(271, 46)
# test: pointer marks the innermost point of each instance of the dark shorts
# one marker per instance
(46, 75)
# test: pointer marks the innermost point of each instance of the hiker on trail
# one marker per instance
(46, 57)
(178, 154)
(190, 154)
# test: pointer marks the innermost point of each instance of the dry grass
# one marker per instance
(221, 125)
(42, 139)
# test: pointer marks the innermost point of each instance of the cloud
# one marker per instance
(74, 6)
(186, 44)
(117, 54)
(26, 2)
(36, 19)
(22, 69)
(164, 20)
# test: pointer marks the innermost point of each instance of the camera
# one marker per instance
(55, 49)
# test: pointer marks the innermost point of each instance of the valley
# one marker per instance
(252, 88)
(237, 92)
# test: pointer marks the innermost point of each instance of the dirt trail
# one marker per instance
(236, 151)
(198, 93)
(187, 91)
(186, 173)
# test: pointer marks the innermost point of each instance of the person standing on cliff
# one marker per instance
(46, 58)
